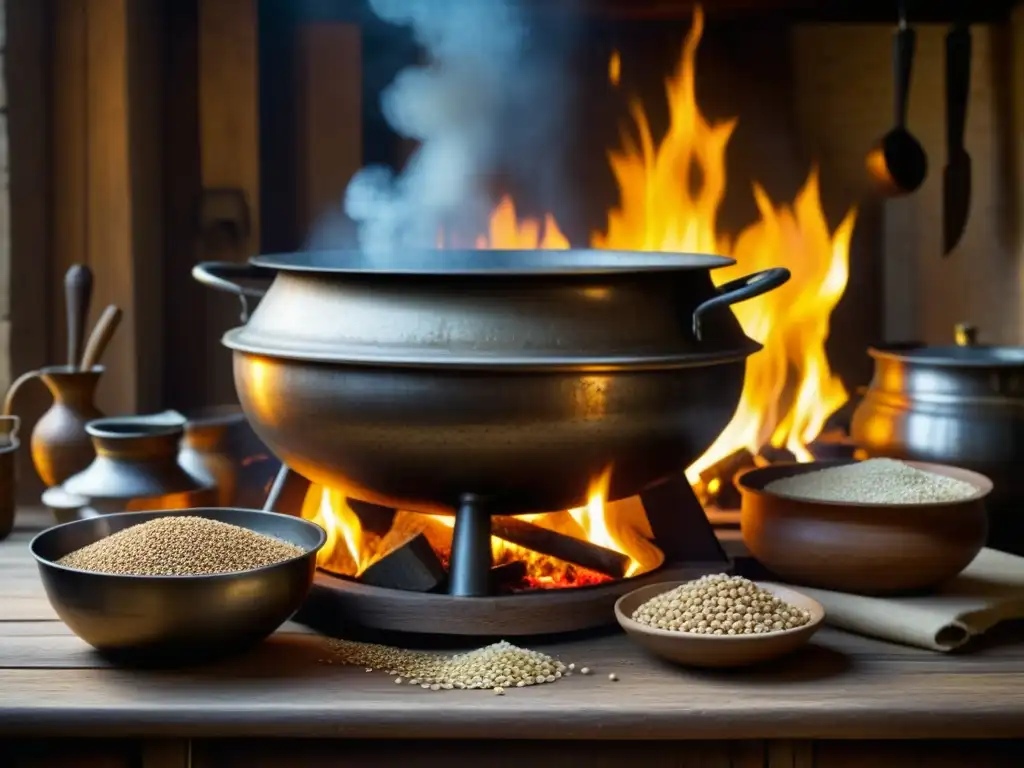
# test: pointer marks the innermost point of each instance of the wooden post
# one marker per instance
(107, 154)
(229, 151)
(329, 81)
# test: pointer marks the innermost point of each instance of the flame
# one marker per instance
(615, 69)
(670, 194)
(351, 549)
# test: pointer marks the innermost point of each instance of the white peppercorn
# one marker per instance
(720, 605)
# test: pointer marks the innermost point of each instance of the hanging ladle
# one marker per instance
(898, 162)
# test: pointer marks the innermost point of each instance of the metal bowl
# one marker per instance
(171, 619)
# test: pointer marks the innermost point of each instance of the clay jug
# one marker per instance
(136, 468)
(60, 445)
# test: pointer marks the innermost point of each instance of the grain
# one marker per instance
(496, 667)
(875, 481)
(180, 546)
(720, 605)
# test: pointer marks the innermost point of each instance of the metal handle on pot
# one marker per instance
(738, 290)
(220, 275)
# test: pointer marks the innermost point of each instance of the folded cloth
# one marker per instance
(988, 591)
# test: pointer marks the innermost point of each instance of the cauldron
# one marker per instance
(488, 382)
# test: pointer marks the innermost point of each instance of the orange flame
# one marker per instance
(789, 388)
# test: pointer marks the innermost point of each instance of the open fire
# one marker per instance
(789, 388)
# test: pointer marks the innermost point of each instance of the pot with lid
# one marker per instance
(961, 404)
(488, 381)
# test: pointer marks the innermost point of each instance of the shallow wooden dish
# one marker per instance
(869, 549)
(717, 650)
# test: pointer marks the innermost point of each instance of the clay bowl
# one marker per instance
(868, 549)
(170, 620)
(721, 651)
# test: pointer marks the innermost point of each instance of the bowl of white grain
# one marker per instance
(719, 620)
(178, 586)
(873, 527)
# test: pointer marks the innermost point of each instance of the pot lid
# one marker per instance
(482, 263)
(974, 356)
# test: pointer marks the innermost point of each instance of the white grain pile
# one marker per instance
(180, 546)
(720, 605)
(495, 667)
(875, 481)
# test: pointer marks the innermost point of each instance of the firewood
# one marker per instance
(413, 567)
(566, 548)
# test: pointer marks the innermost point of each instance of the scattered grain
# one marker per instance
(180, 546)
(875, 481)
(495, 667)
(720, 605)
(585, 671)
(613, 677)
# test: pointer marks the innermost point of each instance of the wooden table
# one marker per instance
(845, 701)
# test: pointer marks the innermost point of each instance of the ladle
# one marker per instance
(898, 162)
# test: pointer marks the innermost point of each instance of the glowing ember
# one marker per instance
(789, 388)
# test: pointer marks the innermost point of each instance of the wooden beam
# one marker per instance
(229, 148)
(28, 231)
(329, 81)
(107, 155)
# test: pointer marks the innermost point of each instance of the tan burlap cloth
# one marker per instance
(989, 591)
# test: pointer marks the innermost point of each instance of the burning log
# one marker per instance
(718, 479)
(832, 444)
(505, 577)
(566, 548)
(413, 566)
(372, 517)
(679, 524)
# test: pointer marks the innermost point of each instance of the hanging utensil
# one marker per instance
(898, 162)
(956, 177)
(77, 297)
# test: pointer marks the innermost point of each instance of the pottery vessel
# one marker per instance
(60, 445)
(136, 468)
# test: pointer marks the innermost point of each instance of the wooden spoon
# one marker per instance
(100, 337)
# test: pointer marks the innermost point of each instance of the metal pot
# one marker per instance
(961, 405)
(488, 381)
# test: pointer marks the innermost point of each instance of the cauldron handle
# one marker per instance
(221, 276)
(738, 290)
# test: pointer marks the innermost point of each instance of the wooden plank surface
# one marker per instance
(842, 686)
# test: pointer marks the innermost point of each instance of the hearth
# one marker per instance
(388, 570)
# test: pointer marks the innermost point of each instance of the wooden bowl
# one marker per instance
(869, 549)
(719, 651)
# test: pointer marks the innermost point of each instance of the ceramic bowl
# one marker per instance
(166, 620)
(870, 549)
(720, 651)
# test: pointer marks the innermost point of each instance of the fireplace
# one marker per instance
(732, 127)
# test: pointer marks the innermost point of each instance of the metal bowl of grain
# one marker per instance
(875, 527)
(177, 586)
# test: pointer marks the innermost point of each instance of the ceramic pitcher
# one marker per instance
(60, 445)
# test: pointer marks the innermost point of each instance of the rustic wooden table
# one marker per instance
(844, 701)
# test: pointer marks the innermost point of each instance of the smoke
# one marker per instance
(483, 108)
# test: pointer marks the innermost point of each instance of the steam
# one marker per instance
(481, 77)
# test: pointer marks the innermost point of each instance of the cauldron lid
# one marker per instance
(977, 355)
(486, 262)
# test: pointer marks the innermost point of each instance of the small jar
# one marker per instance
(137, 468)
